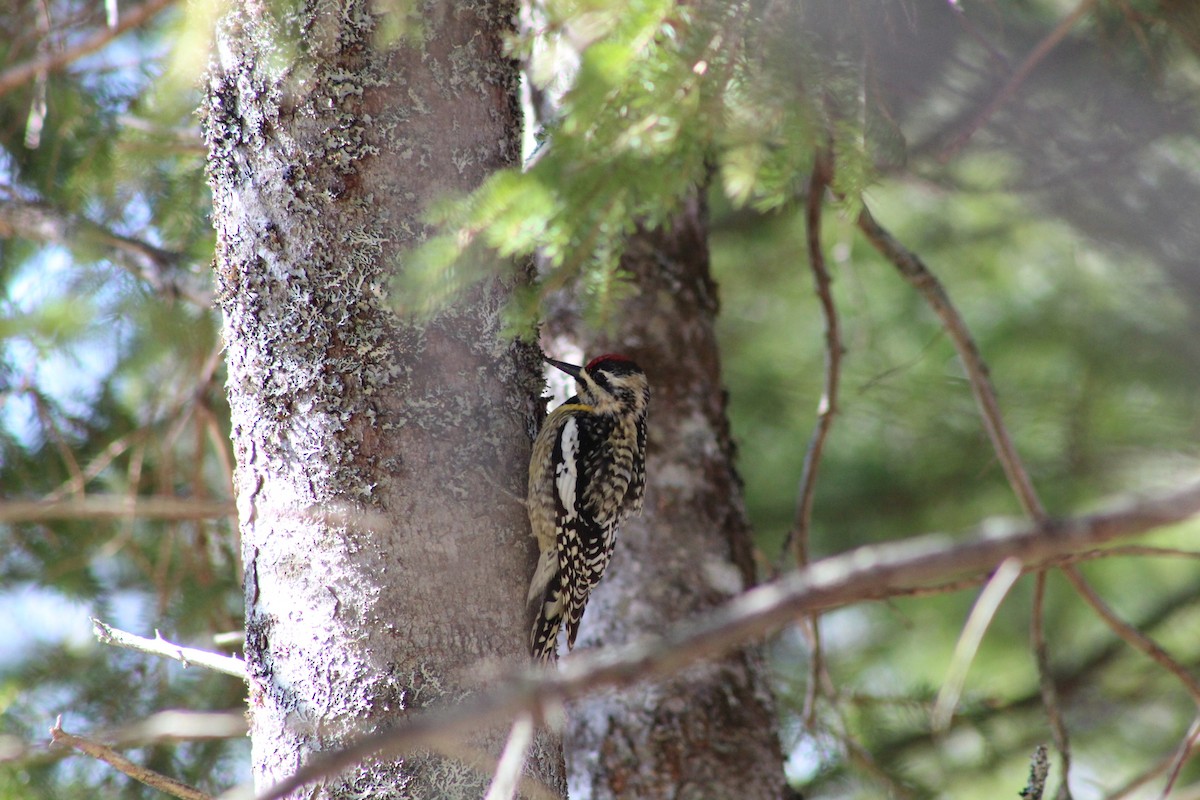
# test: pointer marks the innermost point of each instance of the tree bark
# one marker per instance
(712, 731)
(378, 460)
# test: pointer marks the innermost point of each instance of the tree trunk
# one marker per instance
(385, 556)
(712, 731)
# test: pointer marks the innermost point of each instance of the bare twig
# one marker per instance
(512, 760)
(1124, 551)
(37, 107)
(971, 637)
(1023, 72)
(797, 539)
(162, 726)
(920, 277)
(42, 405)
(105, 507)
(1120, 551)
(1132, 636)
(177, 725)
(136, 771)
(185, 139)
(926, 283)
(1068, 680)
(914, 271)
(1145, 776)
(1047, 687)
(53, 61)
(1185, 751)
(798, 536)
(158, 646)
(868, 572)
(98, 464)
(229, 639)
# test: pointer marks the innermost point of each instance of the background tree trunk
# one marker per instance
(712, 731)
(377, 461)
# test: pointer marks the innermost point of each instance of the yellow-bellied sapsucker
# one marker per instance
(587, 474)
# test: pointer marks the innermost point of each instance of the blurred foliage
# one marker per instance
(1063, 225)
(109, 389)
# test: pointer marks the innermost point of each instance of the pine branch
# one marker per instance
(921, 278)
(924, 281)
(1022, 73)
(866, 573)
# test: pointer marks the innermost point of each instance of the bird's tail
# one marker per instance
(545, 589)
(543, 643)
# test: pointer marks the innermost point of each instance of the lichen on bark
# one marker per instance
(384, 557)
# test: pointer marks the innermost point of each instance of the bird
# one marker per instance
(587, 474)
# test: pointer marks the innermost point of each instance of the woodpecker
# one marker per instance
(586, 475)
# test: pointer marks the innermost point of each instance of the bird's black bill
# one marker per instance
(570, 369)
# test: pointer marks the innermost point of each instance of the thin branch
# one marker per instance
(52, 62)
(798, 536)
(926, 283)
(512, 760)
(136, 771)
(36, 119)
(867, 572)
(1185, 751)
(161, 269)
(230, 639)
(177, 725)
(1124, 551)
(976, 626)
(797, 539)
(158, 646)
(111, 452)
(1132, 636)
(911, 267)
(109, 507)
(1047, 688)
(1145, 776)
(914, 271)
(1068, 680)
(961, 584)
(160, 727)
(75, 481)
(1022, 73)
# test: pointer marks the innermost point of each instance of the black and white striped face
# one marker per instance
(611, 384)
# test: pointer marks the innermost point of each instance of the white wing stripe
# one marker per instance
(564, 477)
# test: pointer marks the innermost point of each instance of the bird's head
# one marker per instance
(611, 383)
